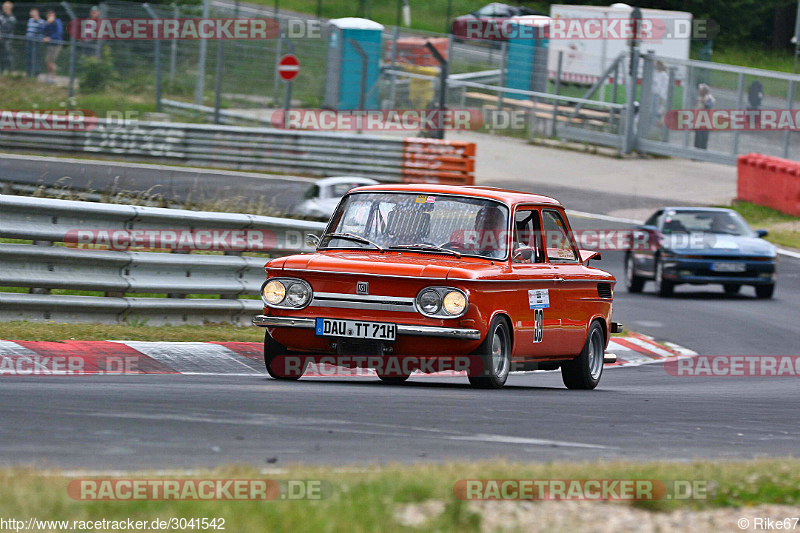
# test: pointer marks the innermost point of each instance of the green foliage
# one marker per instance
(96, 72)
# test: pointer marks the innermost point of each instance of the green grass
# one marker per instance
(760, 217)
(135, 331)
(368, 499)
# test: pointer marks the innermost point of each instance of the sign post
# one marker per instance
(288, 69)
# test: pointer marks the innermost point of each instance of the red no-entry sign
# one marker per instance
(288, 67)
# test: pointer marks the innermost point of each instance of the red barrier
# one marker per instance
(769, 181)
(437, 161)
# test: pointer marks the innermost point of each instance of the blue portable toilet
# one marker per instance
(526, 68)
(343, 78)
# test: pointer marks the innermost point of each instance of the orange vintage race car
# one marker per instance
(444, 270)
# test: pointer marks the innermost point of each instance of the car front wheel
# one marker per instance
(663, 287)
(633, 282)
(495, 355)
(584, 371)
(272, 350)
(765, 291)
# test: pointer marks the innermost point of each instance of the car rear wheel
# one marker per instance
(273, 349)
(663, 287)
(584, 371)
(732, 288)
(765, 291)
(633, 282)
(495, 354)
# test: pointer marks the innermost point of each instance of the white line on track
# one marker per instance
(482, 437)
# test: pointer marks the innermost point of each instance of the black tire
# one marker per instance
(495, 354)
(732, 288)
(585, 371)
(663, 288)
(393, 380)
(633, 282)
(765, 291)
(273, 349)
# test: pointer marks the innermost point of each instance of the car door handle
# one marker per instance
(558, 279)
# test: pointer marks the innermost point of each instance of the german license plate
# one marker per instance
(728, 267)
(356, 329)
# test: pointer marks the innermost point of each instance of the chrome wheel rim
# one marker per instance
(500, 360)
(596, 354)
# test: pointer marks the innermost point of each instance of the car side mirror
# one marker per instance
(761, 233)
(312, 240)
(587, 255)
(523, 253)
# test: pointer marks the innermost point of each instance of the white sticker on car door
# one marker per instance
(539, 298)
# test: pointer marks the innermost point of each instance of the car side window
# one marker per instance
(312, 192)
(557, 240)
(527, 233)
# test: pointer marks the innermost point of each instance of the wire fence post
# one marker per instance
(287, 95)
(789, 106)
(72, 55)
(556, 90)
(201, 63)
(218, 80)
(157, 52)
(444, 72)
(362, 84)
(173, 48)
(629, 142)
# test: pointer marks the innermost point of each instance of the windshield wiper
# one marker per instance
(353, 237)
(425, 248)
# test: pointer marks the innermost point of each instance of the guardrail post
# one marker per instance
(157, 52)
(39, 290)
(629, 142)
(72, 56)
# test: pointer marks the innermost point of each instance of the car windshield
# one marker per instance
(427, 223)
(720, 222)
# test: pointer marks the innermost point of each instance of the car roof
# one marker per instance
(333, 180)
(493, 193)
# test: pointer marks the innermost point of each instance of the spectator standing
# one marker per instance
(33, 36)
(7, 23)
(53, 33)
(705, 101)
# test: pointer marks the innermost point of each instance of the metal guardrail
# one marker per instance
(270, 149)
(41, 267)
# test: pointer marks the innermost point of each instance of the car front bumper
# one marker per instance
(265, 321)
(700, 271)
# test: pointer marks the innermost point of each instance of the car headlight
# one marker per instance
(274, 292)
(430, 302)
(442, 302)
(454, 303)
(287, 293)
(298, 294)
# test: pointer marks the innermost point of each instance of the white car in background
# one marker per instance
(321, 199)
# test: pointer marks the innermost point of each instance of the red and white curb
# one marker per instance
(222, 358)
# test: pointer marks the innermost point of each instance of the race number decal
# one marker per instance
(538, 325)
(539, 298)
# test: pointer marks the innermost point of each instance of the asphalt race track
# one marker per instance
(136, 421)
(122, 422)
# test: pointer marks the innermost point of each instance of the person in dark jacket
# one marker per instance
(53, 32)
(7, 25)
(33, 39)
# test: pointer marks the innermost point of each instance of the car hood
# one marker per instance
(716, 244)
(405, 264)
